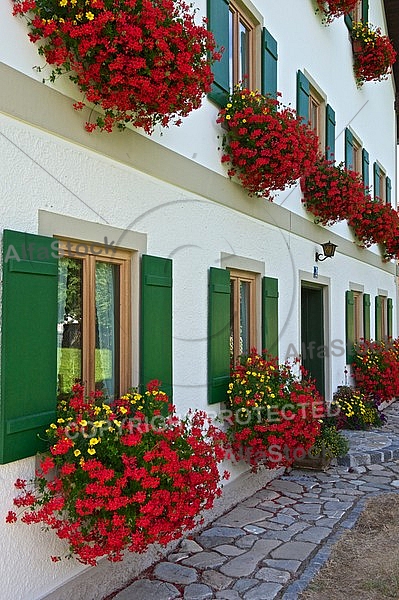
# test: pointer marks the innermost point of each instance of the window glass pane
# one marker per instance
(107, 328)
(69, 328)
(231, 50)
(244, 317)
(243, 67)
(314, 115)
(232, 318)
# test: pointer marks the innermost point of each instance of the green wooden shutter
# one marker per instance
(218, 335)
(302, 96)
(269, 64)
(378, 318)
(270, 315)
(218, 22)
(388, 190)
(376, 175)
(365, 11)
(365, 15)
(348, 21)
(156, 322)
(349, 153)
(29, 343)
(330, 133)
(350, 325)
(365, 168)
(389, 317)
(366, 316)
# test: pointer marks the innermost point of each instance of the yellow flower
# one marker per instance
(229, 105)
(91, 451)
(123, 410)
(60, 420)
(83, 422)
(53, 426)
(77, 452)
(89, 15)
(94, 441)
(63, 2)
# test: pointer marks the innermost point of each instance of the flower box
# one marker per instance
(315, 463)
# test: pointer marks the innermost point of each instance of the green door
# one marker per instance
(312, 334)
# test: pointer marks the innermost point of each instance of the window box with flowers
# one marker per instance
(376, 369)
(330, 192)
(333, 9)
(265, 144)
(373, 52)
(125, 474)
(274, 412)
(142, 62)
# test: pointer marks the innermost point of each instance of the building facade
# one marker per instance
(180, 252)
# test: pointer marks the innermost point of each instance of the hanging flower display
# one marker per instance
(143, 62)
(332, 9)
(374, 222)
(265, 144)
(274, 412)
(374, 53)
(330, 192)
(376, 369)
(121, 475)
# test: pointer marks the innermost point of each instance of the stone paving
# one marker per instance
(270, 546)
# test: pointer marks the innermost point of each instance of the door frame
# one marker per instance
(324, 284)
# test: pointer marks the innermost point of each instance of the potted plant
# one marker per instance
(274, 411)
(122, 475)
(265, 144)
(355, 409)
(374, 53)
(332, 9)
(143, 62)
(329, 444)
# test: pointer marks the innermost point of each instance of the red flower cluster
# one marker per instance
(376, 369)
(335, 8)
(266, 145)
(141, 61)
(128, 476)
(376, 223)
(332, 193)
(374, 53)
(274, 413)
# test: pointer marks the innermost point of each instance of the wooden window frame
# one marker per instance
(317, 107)
(236, 277)
(357, 156)
(90, 253)
(238, 17)
(382, 335)
(383, 185)
(358, 316)
(357, 13)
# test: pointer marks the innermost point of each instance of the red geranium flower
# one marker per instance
(143, 62)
